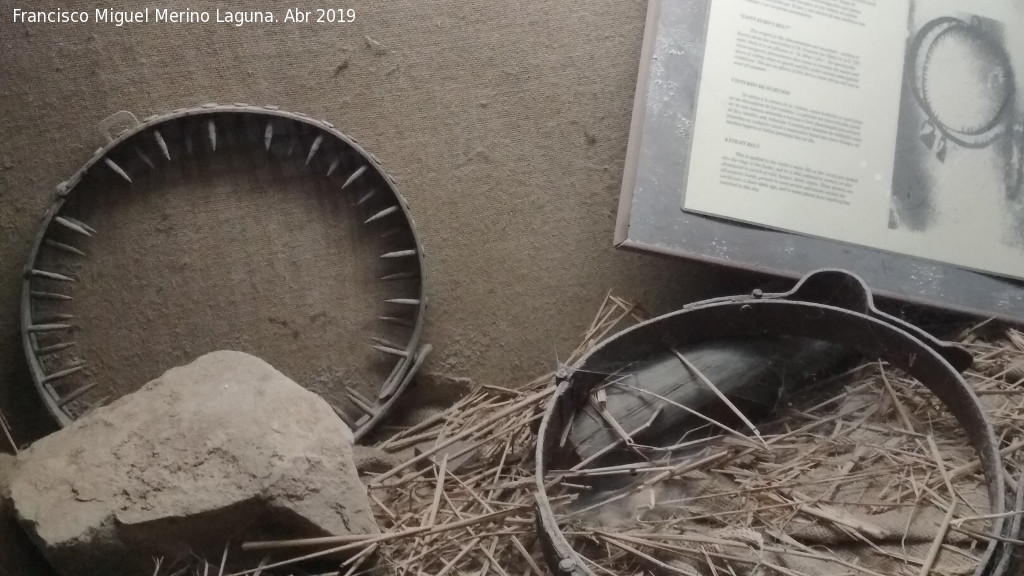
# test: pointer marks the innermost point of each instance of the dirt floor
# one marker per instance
(505, 126)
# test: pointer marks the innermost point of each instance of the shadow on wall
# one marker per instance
(21, 406)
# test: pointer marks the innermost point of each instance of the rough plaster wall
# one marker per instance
(505, 124)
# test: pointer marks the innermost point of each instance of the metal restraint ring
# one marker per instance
(828, 305)
(135, 149)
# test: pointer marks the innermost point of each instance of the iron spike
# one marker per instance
(384, 342)
(72, 225)
(344, 417)
(51, 318)
(364, 419)
(63, 247)
(383, 213)
(397, 321)
(392, 232)
(389, 388)
(51, 276)
(366, 197)
(400, 254)
(63, 373)
(312, 149)
(94, 405)
(268, 135)
(82, 224)
(118, 169)
(50, 296)
(163, 145)
(389, 350)
(211, 129)
(355, 176)
(54, 348)
(48, 327)
(334, 165)
(144, 158)
(361, 402)
(188, 144)
(400, 276)
(76, 394)
(404, 301)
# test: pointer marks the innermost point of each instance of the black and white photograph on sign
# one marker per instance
(958, 160)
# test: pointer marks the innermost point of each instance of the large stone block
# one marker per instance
(225, 447)
(18, 557)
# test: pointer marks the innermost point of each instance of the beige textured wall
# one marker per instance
(505, 124)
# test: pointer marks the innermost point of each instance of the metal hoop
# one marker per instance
(125, 154)
(829, 305)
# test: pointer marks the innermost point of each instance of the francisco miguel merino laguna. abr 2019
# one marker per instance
(158, 15)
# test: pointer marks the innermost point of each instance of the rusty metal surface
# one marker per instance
(829, 305)
(124, 133)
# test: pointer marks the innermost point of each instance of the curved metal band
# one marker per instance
(976, 139)
(829, 305)
(405, 367)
